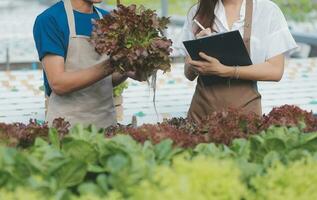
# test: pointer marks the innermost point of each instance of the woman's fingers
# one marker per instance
(196, 68)
(204, 33)
(187, 59)
(197, 63)
(199, 68)
(206, 57)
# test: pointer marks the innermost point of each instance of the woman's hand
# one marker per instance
(190, 68)
(211, 66)
(204, 33)
(189, 72)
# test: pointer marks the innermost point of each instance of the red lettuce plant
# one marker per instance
(19, 134)
(290, 115)
(219, 127)
(224, 127)
(183, 124)
(133, 38)
(159, 132)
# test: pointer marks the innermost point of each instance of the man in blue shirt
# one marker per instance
(78, 80)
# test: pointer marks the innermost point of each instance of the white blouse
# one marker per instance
(270, 34)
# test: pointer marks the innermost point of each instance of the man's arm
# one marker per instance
(63, 82)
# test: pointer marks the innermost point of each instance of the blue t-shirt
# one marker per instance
(51, 31)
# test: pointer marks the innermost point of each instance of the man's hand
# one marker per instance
(133, 75)
(118, 78)
(108, 69)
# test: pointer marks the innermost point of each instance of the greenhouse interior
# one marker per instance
(161, 99)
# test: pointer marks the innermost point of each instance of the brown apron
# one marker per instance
(218, 94)
(93, 104)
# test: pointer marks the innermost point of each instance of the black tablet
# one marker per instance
(227, 47)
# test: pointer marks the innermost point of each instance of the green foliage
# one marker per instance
(283, 144)
(21, 194)
(298, 10)
(278, 163)
(201, 178)
(84, 161)
(31, 194)
(118, 90)
(292, 182)
(175, 7)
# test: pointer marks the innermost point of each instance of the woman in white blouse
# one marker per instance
(267, 38)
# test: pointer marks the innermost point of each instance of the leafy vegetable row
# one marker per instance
(219, 127)
(153, 162)
(86, 165)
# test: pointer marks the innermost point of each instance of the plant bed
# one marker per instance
(163, 161)
(219, 127)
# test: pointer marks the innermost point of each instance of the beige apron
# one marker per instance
(93, 104)
(218, 94)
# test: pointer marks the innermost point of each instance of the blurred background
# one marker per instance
(21, 80)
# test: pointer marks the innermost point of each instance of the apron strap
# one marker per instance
(71, 18)
(248, 24)
(98, 12)
(248, 30)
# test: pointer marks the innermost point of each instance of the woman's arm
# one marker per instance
(63, 82)
(271, 70)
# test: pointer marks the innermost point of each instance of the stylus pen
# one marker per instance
(198, 24)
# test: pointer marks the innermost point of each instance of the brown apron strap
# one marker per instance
(248, 24)
(118, 2)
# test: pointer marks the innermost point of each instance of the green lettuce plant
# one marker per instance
(21, 194)
(277, 163)
(293, 182)
(200, 179)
